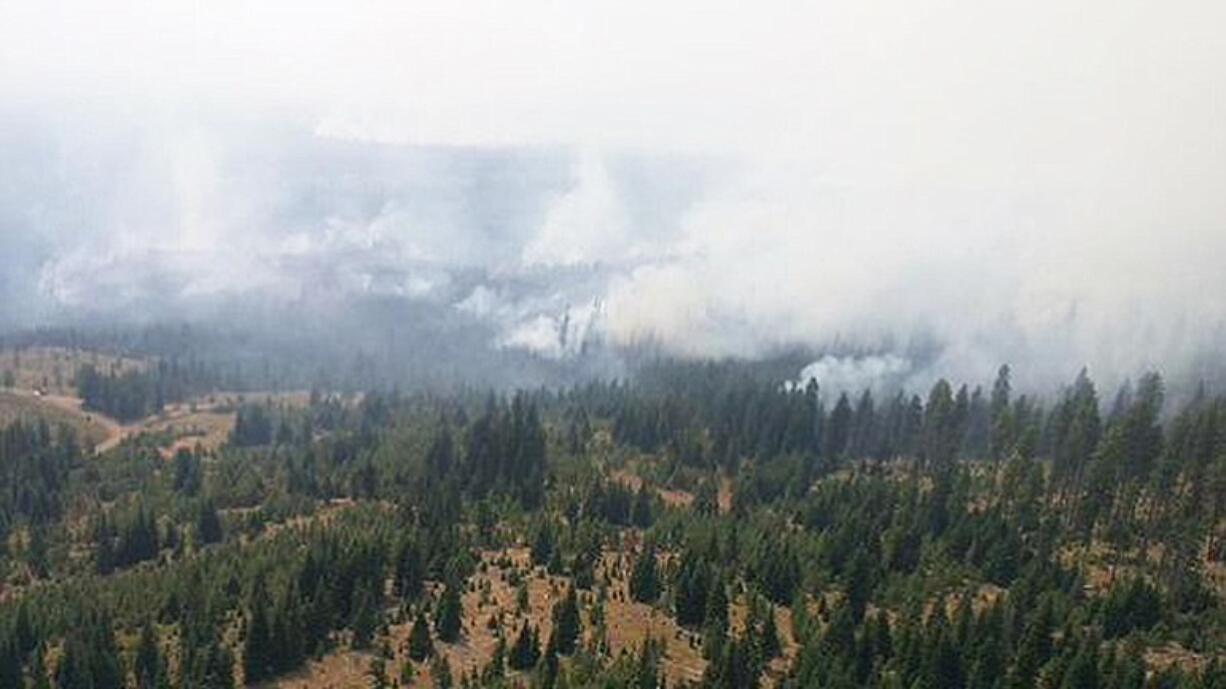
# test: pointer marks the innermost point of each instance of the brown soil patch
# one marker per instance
(672, 498)
(491, 595)
(26, 406)
(52, 370)
(1174, 655)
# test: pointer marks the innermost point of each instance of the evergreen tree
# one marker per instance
(1035, 648)
(838, 429)
(10, 663)
(208, 524)
(769, 645)
(690, 591)
(1083, 671)
(543, 544)
(644, 578)
(258, 658)
(218, 670)
(420, 645)
(149, 667)
(448, 618)
(410, 572)
(526, 650)
(365, 616)
(1003, 435)
(566, 623)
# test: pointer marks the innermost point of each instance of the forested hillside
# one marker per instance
(694, 526)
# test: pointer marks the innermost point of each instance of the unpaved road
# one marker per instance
(115, 431)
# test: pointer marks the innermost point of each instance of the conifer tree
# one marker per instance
(448, 617)
(258, 658)
(420, 645)
(410, 572)
(644, 577)
(566, 623)
(526, 650)
(149, 666)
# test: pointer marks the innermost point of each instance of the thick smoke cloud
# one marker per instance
(1037, 183)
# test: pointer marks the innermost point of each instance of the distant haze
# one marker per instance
(1029, 182)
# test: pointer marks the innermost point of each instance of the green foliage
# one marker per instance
(448, 618)
(567, 624)
(526, 650)
(421, 646)
(1130, 605)
(645, 577)
(879, 561)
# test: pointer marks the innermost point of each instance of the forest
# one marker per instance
(775, 535)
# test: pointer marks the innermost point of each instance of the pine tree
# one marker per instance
(715, 620)
(690, 591)
(10, 663)
(448, 618)
(149, 666)
(258, 657)
(1083, 671)
(543, 544)
(1035, 648)
(410, 570)
(547, 669)
(208, 524)
(420, 645)
(838, 432)
(769, 645)
(644, 578)
(1002, 429)
(526, 650)
(641, 512)
(566, 623)
(365, 617)
(860, 580)
(218, 672)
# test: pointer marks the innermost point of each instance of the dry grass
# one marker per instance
(201, 424)
(672, 498)
(199, 430)
(629, 624)
(52, 369)
(1174, 655)
(15, 406)
(345, 670)
(491, 596)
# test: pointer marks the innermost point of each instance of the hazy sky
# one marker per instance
(1031, 181)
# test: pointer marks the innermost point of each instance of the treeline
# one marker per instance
(134, 393)
(34, 466)
(967, 538)
(288, 597)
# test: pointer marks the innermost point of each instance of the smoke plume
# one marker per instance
(1035, 183)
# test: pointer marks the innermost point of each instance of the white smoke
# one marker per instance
(585, 225)
(1035, 183)
(837, 375)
